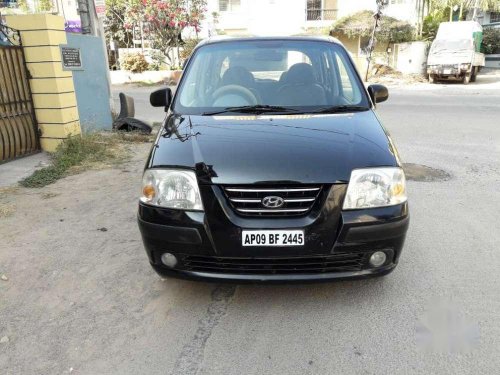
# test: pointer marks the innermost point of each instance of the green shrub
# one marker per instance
(157, 60)
(187, 48)
(78, 151)
(491, 40)
(134, 62)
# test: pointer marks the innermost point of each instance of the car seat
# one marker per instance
(300, 87)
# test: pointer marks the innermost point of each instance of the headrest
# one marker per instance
(237, 75)
(300, 73)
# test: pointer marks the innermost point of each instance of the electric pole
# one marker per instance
(371, 44)
(474, 13)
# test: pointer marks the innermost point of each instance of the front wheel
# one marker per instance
(473, 74)
(431, 78)
(466, 79)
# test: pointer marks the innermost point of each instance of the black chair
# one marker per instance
(126, 121)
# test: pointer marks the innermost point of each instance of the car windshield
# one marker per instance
(280, 76)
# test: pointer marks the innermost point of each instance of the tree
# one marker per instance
(390, 30)
(163, 21)
(431, 23)
(491, 40)
(23, 5)
(443, 10)
(45, 5)
(448, 7)
(114, 29)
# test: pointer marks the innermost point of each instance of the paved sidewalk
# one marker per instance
(13, 171)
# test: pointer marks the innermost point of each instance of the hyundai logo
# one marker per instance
(273, 201)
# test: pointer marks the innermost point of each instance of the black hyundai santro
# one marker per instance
(272, 166)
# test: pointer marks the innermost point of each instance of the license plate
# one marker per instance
(272, 238)
(447, 71)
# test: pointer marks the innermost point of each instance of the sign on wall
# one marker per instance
(100, 8)
(71, 58)
(73, 26)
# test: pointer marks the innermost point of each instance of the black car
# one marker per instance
(271, 165)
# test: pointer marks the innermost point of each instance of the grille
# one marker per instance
(297, 200)
(274, 266)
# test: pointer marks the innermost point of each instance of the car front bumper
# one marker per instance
(189, 238)
(446, 72)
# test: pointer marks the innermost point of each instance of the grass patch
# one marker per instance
(8, 190)
(87, 151)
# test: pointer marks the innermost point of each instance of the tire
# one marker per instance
(130, 124)
(473, 74)
(466, 79)
(431, 78)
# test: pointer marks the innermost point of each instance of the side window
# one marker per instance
(201, 79)
(349, 90)
(229, 5)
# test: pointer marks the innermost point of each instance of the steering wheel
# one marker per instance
(235, 90)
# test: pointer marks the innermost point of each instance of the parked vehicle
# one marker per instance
(272, 166)
(455, 53)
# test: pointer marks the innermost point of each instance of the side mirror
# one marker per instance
(161, 98)
(378, 93)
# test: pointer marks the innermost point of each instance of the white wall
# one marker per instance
(348, 7)
(406, 11)
(285, 17)
(261, 17)
(68, 9)
(411, 57)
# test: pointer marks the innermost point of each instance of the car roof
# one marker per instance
(224, 38)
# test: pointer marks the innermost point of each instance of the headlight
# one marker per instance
(172, 188)
(464, 66)
(375, 187)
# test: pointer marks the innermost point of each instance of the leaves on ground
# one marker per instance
(7, 209)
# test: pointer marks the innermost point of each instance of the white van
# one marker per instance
(455, 53)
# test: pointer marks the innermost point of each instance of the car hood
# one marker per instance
(273, 149)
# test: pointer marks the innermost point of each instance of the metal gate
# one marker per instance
(18, 127)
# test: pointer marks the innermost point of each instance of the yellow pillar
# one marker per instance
(52, 87)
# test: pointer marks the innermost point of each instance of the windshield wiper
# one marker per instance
(258, 108)
(342, 109)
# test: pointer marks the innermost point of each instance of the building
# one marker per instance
(487, 18)
(282, 17)
(68, 9)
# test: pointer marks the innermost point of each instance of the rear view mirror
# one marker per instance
(161, 98)
(378, 93)
(269, 55)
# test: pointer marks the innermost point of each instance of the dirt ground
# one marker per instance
(62, 285)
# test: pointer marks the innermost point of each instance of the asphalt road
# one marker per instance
(84, 300)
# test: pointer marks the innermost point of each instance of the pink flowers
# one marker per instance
(165, 19)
